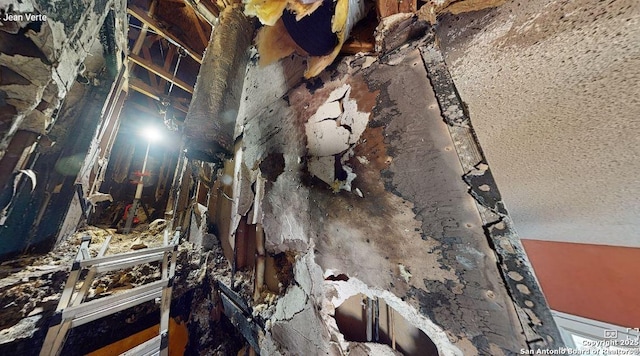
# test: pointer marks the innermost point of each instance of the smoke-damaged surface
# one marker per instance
(415, 231)
(484, 190)
(405, 223)
(419, 215)
(532, 309)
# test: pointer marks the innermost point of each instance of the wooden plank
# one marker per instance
(390, 7)
(146, 54)
(203, 37)
(167, 64)
(137, 46)
(209, 12)
(148, 65)
(143, 88)
(159, 29)
(146, 89)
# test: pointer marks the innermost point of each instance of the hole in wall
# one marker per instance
(358, 324)
(338, 277)
(272, 166)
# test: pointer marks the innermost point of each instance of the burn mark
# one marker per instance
(483, 188)
(338, 277)
(447, 94)
(497, 224)
(314, 84)
(272, 166)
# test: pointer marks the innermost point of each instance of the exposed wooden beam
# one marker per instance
(159, 29)
(203, 37)
(150, 66)
(387, 8)
(152, 77)
(143, 108)
(137, 46)
(146, 89)
(209, 13)
(167, 63)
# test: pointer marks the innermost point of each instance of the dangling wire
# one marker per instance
(181, 53)
(168, 115)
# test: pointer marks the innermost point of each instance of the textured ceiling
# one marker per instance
(553, 92)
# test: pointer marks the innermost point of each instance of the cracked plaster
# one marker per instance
(415, 212)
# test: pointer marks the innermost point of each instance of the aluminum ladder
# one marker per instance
(72, 311)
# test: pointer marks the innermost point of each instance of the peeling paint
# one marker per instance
(335, 127)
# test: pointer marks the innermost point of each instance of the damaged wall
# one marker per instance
(47, 54)
(551, 87)
(363, 188)
(61, 59)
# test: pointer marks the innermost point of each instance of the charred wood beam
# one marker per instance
(152, 67)
(210, 123)
(161, 30)
(146, 89)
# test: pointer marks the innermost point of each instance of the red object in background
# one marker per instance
(142, 174)
(597, 282)
(126, 215)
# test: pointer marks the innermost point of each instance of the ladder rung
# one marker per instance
(127, 262)
(98, 308)
(112, 309)
(149, 347)
(105, 246)
(126, 255)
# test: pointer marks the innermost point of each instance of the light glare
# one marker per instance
(152, 134)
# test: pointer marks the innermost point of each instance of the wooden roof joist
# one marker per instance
(208, 11)
(146, 89)
(158, 70)
(154, 25)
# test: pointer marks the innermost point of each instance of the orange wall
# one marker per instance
(593, 281)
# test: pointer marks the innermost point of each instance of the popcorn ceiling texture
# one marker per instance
(552, 89)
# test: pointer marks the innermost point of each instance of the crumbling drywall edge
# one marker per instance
(65, 51)
(346, 289)
(517, 273)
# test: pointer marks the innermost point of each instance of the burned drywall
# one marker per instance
(371, 191)
(45, 49)
(60, 36)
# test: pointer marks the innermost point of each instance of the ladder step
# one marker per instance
(127, 262)
(126, 256)
(149, 347)
(102, 307)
